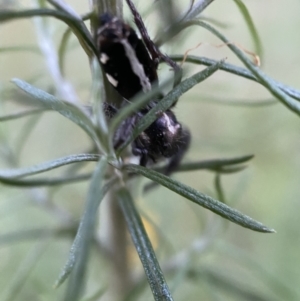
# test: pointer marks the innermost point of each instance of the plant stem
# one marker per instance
(113, 237)
(112, 227)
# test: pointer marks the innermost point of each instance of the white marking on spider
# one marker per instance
(113, 81)
(136, 66)
(172, 128)
(137, 32)
(104, 58)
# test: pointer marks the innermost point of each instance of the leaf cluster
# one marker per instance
(111, 173)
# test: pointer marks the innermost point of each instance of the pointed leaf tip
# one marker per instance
(201, 199)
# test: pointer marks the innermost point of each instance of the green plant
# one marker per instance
(111, 175)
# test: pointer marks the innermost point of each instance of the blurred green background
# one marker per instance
(236, 262)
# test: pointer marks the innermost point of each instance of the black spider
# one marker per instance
(131, 68)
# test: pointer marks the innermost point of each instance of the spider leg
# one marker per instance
(143, 160)
(154, 51)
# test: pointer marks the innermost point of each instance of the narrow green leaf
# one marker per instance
(243, 72)
(213, 164)
(238, 103)
(11, 49)
(80, 247)
(252, 29)
(182, 24)
(78, 27)
(46, 182)
(169, 100)
(46, 166)
(65, 8)
(267, 82)
(200, 199)
(143, 246)
(68, 110)
(97, 100)
(197, 8)
(229, 170)
(20, 114)
(62, 50)
(37, 234)
(219, 189)
(221, 166)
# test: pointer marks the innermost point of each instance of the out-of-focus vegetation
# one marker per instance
(228, 116)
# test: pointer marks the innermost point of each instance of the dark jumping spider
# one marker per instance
(131, 67)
